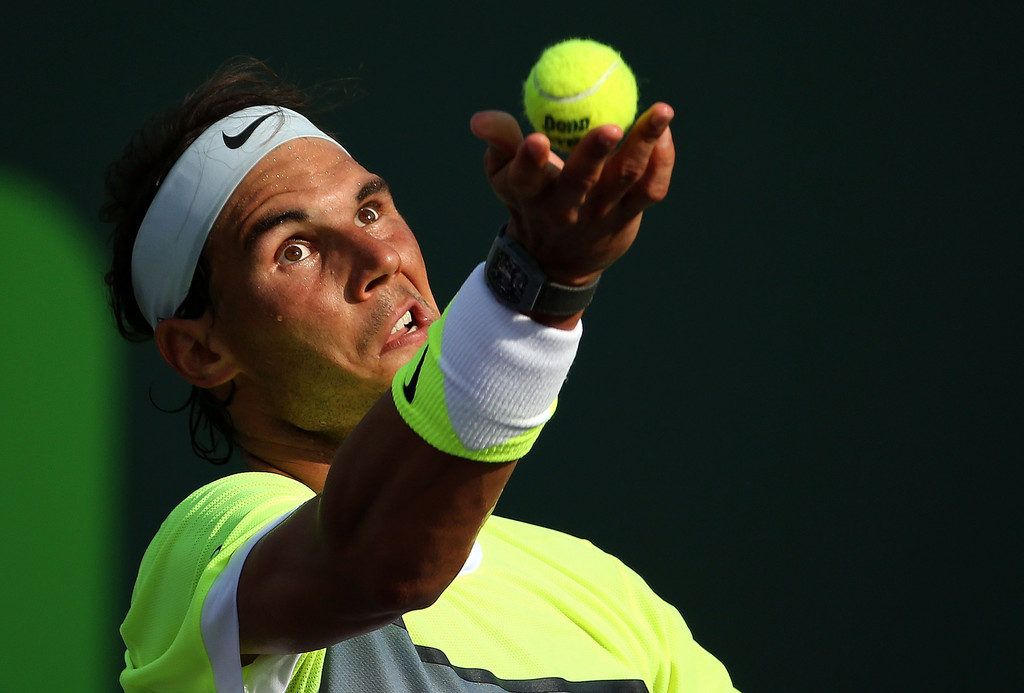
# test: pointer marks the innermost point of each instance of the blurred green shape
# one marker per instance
(60, 437)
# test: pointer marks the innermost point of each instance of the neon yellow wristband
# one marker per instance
(487, 379)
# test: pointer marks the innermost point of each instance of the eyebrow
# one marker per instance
(372, 187)
(261, 226)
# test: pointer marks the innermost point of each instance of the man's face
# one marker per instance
(318, 287)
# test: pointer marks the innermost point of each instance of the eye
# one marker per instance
(294, 252)
(367, 215)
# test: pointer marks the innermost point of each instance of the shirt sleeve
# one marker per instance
(163, 631)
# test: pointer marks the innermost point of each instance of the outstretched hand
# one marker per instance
(576, 217)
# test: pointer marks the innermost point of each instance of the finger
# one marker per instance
(654, 185)
(501, 131)
(533, 166)
(585, 164)
(631, 162)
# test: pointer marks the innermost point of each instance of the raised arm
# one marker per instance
(397, 516)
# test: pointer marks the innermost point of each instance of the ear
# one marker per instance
(187, 347)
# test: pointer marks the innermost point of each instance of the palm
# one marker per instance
(577, 217)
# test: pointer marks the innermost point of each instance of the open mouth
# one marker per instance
(410, 328)
(406, 324)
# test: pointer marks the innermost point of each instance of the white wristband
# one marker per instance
(503, 371)
(490, 377)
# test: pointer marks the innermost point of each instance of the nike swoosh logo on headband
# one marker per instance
(236, 141)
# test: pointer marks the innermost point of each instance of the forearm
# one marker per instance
(409, 518)
(392, 528)
(413, 483)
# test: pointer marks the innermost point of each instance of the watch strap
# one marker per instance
(517, 281)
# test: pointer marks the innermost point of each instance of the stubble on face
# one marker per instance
(312, 358)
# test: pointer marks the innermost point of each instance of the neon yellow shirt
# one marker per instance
(536, 606)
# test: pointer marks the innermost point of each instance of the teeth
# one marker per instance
(404, 322)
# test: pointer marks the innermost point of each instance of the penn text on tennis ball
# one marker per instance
(575, 86)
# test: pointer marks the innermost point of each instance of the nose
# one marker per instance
(373, 263)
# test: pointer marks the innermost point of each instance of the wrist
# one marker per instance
(487, 380)
(517, 280)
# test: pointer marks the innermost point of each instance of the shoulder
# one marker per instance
(543, 540)
(590, 586)
(231, 499)
(574, 558)
(519, 533)
(193, 546)
(240, 493)
(219, 516)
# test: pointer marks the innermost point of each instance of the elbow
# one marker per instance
(404, 576)
(400, 583)
(400, 590)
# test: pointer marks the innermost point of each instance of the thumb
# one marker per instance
(501, 131)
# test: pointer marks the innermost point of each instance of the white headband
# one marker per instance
(179, 219)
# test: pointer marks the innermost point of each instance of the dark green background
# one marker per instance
(796, 410)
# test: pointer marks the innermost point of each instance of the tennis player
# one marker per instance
(359, 552)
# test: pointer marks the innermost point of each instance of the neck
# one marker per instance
(307, 464)
(271, 445)
(296, 442)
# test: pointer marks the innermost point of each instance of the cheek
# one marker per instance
(310, 309)
(255, 320)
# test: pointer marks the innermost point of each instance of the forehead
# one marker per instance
(316, 168)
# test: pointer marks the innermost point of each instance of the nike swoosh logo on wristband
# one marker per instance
(409, 388)
(236, 141)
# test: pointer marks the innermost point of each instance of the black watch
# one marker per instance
(517, 281)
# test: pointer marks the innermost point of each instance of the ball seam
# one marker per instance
(581, 95)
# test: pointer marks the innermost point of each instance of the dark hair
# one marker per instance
(131, 184)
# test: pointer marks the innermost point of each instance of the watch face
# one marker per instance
(507, 278)
(517, 280)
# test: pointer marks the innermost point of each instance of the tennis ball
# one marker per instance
(575, 86)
